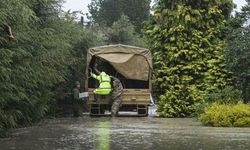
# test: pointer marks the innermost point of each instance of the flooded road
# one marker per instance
(125, 133)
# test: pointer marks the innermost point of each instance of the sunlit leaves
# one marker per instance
(187, 49)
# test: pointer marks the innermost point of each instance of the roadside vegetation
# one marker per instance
(201, 60)
(226, 115)
(44, 56)
(229, 107)
(39, 67)
(187, 40)
(201, 56)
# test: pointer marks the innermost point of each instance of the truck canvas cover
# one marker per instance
(132, 62)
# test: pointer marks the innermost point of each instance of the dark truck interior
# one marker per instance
(105, 66)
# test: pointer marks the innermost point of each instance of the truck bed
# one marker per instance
(129, 96)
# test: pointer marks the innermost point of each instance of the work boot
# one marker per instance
(114, 114)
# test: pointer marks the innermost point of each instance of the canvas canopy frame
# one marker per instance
(132, 62)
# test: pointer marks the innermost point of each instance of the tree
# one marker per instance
(123, 32)
(15, 14)
(245, 12)
(237, 52)
(186, 38)
(106, 12)
(46, 54)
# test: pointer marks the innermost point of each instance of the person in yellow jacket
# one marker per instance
(104, 83)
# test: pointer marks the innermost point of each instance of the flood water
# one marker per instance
(125, 133)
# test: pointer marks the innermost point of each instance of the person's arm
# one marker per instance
(112, 77)
(95, 76)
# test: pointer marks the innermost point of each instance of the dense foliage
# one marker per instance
(237, 51)
(224, 107)
(237, 57)
(123, 32)
(186, 38)
(227, 95)
(46, 54)
(226, 115)
(106, 12)
(46, 57)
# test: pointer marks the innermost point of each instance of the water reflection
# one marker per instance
(125, 133)
(103, 134)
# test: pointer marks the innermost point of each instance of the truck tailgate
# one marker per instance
(129, 96)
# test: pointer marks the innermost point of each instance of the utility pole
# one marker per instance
(82, 21)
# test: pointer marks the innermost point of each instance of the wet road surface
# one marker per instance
(125, 133)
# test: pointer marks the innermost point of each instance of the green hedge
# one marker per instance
(186, 40)
(226, 115)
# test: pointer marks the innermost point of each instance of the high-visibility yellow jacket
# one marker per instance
(104, 83)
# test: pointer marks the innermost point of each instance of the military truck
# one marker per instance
(132, 66)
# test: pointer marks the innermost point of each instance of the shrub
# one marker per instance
(243, 122)
(186, 39)
(227, 95)
(226, 115)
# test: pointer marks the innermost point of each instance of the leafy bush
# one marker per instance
(226, 115)
(242, 122)
(46, 55)
(186, 39)
(227, 95)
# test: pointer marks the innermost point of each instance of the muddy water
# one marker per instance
(125, 133)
